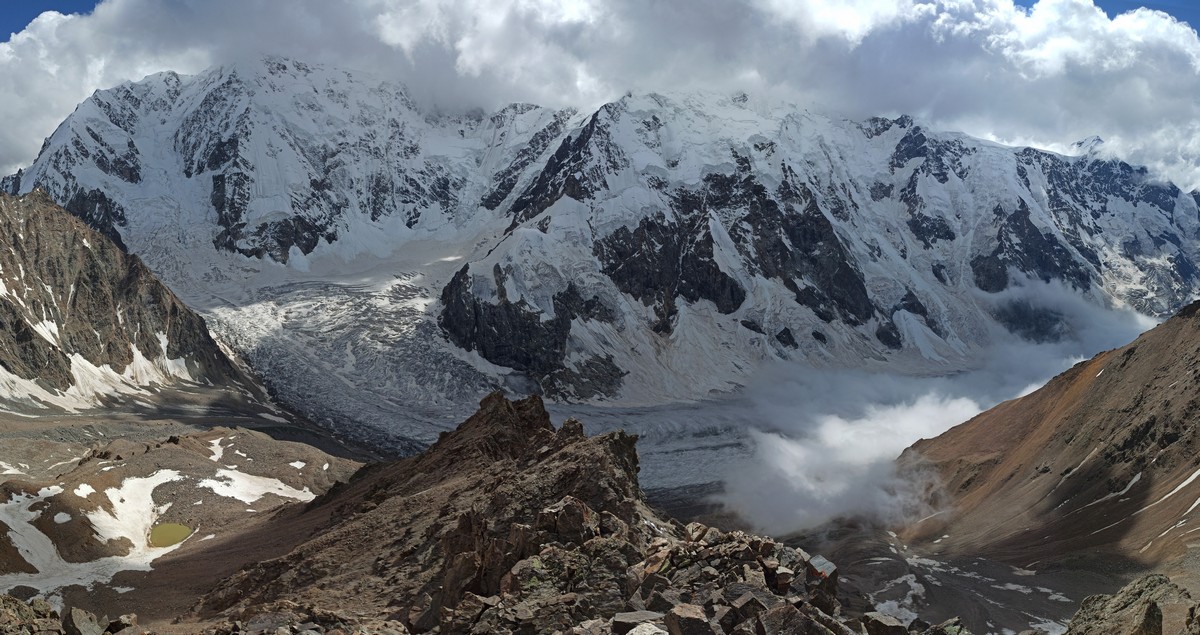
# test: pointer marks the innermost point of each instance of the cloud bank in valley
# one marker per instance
(1049, 75)
(826, 440)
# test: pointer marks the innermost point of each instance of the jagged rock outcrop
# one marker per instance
(39, 618)
(1150, 605)
(507, 525)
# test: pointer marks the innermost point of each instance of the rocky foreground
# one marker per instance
(507, 525)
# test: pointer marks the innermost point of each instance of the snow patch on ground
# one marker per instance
(1136, 477)
(1049, 627)
(248, 488)
(901, 608)
(217, 450)
(133, 513)
(48, 330)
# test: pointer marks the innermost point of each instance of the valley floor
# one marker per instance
(180, 436)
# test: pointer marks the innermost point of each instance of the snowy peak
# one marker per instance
(280, 154)
(818, 238)
(1087, 146)
(601, 255)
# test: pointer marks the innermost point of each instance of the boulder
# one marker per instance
(1137, 609)
(623, 623)
(822, 574)
(880, 624)
(14, 612)
(647, 629)
(80, 622)
(570, 520)
(688, 619)
(955, 627)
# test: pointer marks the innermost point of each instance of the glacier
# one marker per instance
(382, 265)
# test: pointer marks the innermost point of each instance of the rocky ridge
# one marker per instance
(507, 525)
(82, 322)
(1150, 605)
(1101, 460)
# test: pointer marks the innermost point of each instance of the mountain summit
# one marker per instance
(663, 247)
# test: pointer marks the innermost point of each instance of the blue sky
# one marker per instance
(15, 14)
(1186, 10)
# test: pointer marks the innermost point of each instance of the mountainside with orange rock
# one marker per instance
(1099, 468)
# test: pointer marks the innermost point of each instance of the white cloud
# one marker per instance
(1048, 75)
(828, 439)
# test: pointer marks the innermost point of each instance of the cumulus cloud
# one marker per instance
(1057, 72)
(825, 441)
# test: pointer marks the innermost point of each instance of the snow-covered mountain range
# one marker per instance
(379, 264)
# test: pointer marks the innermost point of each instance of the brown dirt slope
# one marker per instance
(1098, 468)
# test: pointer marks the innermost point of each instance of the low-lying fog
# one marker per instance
(802, 446)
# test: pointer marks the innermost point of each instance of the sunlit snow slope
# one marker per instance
(383, 265)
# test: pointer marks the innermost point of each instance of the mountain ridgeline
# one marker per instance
(1097, 467)
(82, 321)
(603, 255)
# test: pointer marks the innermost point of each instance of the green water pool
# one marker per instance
(168, 534)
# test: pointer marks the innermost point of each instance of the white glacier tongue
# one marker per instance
(382, 267)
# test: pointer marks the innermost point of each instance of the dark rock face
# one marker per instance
(576, 169)
(659, 261)
(504, 181)
(99, 211)
(11, 184)
(67, 290)
(793, 241)
(514, 335)
(911, 303)
(929, 229)
(1021, 246)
